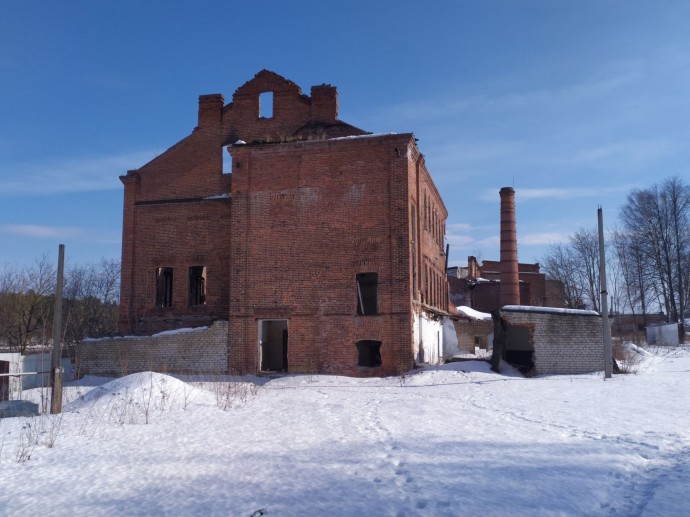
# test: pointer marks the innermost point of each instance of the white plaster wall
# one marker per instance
(15, 385)
(428, 340)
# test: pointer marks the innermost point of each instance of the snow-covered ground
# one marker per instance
(451, 440)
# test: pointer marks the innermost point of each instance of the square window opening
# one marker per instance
(369, 353)
(367, 294)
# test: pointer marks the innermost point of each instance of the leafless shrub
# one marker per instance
(28, 439)
(232, 394)
(628, 357)
(49, 428)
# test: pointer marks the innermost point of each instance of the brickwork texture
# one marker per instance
(198, 351)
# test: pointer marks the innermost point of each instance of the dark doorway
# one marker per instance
(273, 345)
(519, 350)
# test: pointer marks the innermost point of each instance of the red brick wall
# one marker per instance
(168, 223)
(431, 281)
(306, 218)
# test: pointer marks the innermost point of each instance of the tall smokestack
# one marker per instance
(510, 286)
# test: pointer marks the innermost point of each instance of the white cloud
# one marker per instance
(540, 239)
(61, 176)
(452, 227)
(529, 194)
(30, 230)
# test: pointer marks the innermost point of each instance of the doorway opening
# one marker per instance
(273, 345)
(519, 351)
(4, 381)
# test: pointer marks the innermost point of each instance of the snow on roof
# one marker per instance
(164, 333)
(219, 196)
(530, 308)
(178, 331)
(372, 135)
(469, 312)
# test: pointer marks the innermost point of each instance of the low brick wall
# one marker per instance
(193, 351)
(564, 342)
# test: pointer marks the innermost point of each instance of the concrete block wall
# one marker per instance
(467, 329)
(192, 351)
(565, 342)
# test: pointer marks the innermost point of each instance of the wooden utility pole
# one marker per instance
(55, 372)
(608, 353)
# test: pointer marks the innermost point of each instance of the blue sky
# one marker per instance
(572, 103)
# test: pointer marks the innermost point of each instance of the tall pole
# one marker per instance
(55, 372)
(608, 353)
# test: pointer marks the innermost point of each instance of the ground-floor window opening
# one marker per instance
(164, 286)
(273, 345)
(197, 286)
(369, 353)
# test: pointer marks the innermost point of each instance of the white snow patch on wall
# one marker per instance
(428, 340)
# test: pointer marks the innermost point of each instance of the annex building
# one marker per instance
(320, 244)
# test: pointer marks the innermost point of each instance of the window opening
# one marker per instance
(227, 160)
(4, 381)
(266, 105)
(197, 286)
(369, 353)
(164, 286)
(414, 252)
(367, 298)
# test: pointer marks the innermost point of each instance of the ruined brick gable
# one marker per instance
(330, 244)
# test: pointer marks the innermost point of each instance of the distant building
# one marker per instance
(478, 286)
(319, 243)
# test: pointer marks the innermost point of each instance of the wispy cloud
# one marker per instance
(30, 230)
(83, 174)
(530, 194)
(616, 76)
(71, 233)
(544, 238)
(628, 151)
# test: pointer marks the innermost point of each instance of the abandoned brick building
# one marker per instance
(321, 245)
(478, 286)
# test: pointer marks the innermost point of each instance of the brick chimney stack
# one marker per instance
(510, 286)
(324, 103)
(210, 111)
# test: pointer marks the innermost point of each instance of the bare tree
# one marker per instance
(92, 293)
(90, 301)
(25, 296)
(585, 246)
(559, 264)
(658, 218)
